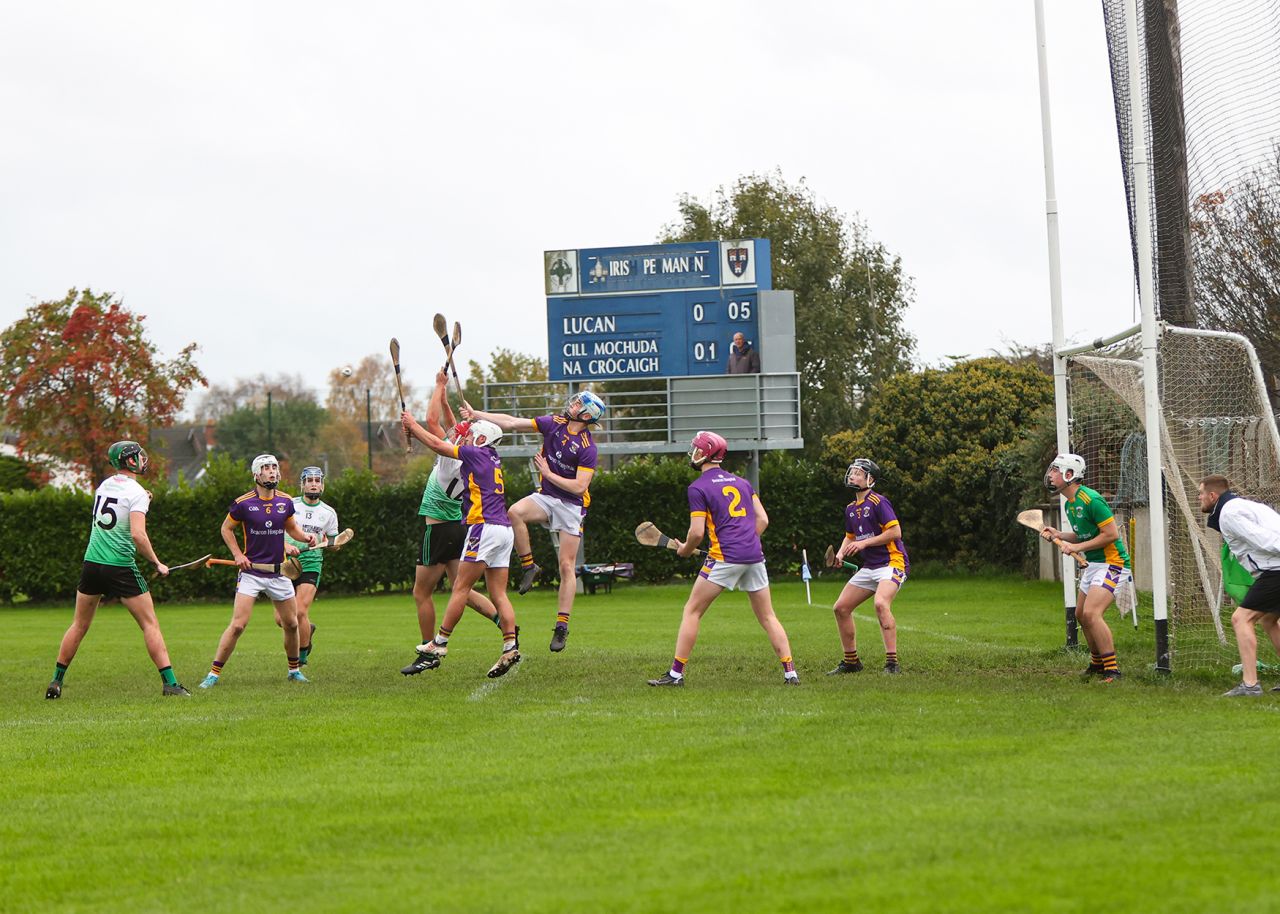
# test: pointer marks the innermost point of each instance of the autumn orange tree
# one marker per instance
(80, 373)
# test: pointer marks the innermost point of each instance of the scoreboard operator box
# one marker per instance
(665, 310)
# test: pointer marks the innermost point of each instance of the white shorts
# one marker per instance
(1108, 577)
(562, 517)
(490, 544)
(870, 578)
(732, 576)
(277, 587)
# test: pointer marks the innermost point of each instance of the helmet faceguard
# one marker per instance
(870, 473)
(707, 447)
(584, 406)
(266, 471)
(311, 482)
(128, 455)
(1070, 469)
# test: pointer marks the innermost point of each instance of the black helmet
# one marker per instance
(867, 465)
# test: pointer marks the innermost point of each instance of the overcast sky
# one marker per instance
(291, 184)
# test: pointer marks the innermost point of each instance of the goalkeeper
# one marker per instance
(1251, 531)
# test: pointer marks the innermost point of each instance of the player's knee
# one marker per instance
(842, 611)
(237, 629)
(290, 626)
(1241, 616)
(884, 610)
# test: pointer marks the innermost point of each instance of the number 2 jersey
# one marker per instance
(728, 503)
(110, 535)
(871, 516)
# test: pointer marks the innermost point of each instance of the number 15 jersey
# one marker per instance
(110, 537)
(729, 505)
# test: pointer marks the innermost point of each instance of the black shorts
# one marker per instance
(308, 577)
(111, 580)
(442, 542)
(1264, 595)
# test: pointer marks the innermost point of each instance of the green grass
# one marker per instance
(988, 777)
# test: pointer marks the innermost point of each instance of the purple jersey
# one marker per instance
(262, 524)
(565, 454)
(728, 504)
(482, 475)
(871, 517)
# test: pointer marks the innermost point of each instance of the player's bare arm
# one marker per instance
(762, 517)
(504, 421)
(578, 485)
(693, 539)
(228, 531)
(438, 406)
(138, 530)
(435, 442)
(1107, 534)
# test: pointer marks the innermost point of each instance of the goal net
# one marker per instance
(1215, 417)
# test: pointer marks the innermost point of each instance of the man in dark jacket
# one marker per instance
(742, 358)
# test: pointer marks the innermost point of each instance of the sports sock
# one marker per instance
(1095, 660)
(59, 670)
(496, 618)
(508, 641)
(442, 636)
(216, 668)
(677, 667)
(526, 559)
(1109, 662)
(788, 666)
(167, 675)
(562, 619)
(851, 657)
(293, 664)
(304, 653)
(890, 656)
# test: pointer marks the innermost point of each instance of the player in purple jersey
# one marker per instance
(488, 547)
(726, 509)
(565, 465)
(872, 532)
(263, 516)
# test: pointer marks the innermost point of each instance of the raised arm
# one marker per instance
(439, 403)
(504, 421)
(435, 442)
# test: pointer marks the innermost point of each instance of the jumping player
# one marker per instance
(726, 508)
(318, 517)
(117, 533)
(872, 531)
(488, 546)
(265, 516)
(565, 465)
(445, 534)
(1094, 532)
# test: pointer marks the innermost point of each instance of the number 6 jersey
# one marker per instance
(728, 504)
(110, 539)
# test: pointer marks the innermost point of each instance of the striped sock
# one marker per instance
(526, 559)
(216, 668)
(1109, 662)
(562, 619)
(851, 657)
(293, 664)
(677, 666)
(890, 656)
(167, 675)
(788, 666)
(59, 670)
(508, 641)
(442, 636)
(1095, 661)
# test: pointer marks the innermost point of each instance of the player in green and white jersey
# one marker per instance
(319, 518)
(118, 532)
(1095, 533)
(445, 534)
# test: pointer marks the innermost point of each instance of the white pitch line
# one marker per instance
(961, 639)
(489, 686)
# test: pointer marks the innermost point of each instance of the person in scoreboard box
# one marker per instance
(725, 508)
(488, 547)
(873, 534)
(263, 515)
(117, 533)
(1095, 533)
(445, 534)
(566, 464)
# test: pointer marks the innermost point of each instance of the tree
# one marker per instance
(951, 446)
(1236, 243)
(222, 400)
(851, 293)
(291, 432)
(80, 373)
(507, 366)
(374, 374)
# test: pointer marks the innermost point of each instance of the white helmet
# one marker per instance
(262, 465)
(1071, 466)
(485, 433)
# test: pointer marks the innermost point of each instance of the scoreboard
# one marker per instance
(653, 310)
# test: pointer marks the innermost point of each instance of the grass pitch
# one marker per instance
(987, 777)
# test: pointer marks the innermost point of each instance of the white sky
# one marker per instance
(290, 184)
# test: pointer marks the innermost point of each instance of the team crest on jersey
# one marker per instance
(738, 259)
(279, 509)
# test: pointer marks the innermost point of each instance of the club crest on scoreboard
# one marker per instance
(738, 262)
(561, 272)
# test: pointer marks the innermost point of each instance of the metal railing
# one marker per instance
(660, 415)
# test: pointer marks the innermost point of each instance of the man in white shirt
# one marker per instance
(1251, 531)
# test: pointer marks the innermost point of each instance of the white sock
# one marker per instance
(674, 675)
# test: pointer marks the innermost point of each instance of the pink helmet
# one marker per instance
(707, 446)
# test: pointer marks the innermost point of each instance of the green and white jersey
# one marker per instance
(110, 536)
(442, 497)
(319, 519)
(1089, 513)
